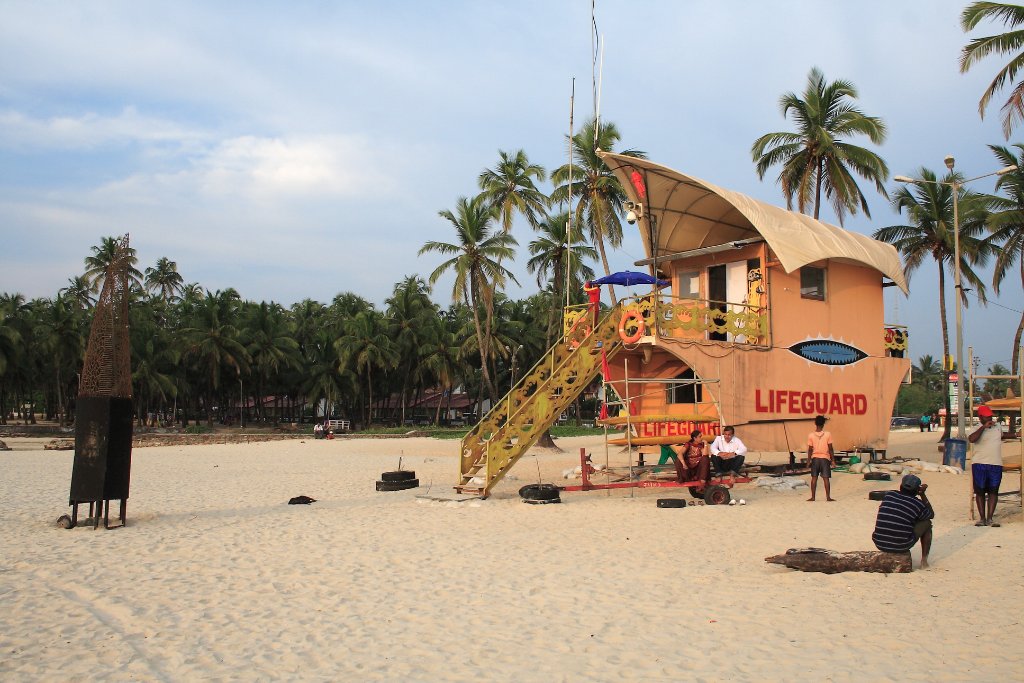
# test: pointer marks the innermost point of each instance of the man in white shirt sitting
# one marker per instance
(727, 453)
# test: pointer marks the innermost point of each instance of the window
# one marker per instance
(686, 393)
(689, 284)
(812, 283)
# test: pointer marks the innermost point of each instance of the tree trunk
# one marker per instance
(485, 375)
(545, 441)
(817, 191)
(834, 562)
(945, 351)
(1015, 363)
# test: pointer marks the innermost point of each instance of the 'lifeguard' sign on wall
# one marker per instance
(681, 429)
(809, 402)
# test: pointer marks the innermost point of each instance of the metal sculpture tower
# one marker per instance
(103, 411)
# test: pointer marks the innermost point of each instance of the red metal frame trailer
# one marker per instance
(714, 492)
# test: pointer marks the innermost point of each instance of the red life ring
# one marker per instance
(626, 317)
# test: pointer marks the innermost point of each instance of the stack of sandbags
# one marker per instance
(780, 483)
(901, 468)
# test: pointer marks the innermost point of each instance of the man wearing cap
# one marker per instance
(904, 517)
(986, 465)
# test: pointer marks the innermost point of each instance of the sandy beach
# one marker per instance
(217, 578)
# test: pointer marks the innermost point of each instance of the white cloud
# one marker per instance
(90, 130)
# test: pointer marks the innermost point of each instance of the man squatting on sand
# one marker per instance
(727, 452)
(903, 519)
(986, 465)
(821, 457)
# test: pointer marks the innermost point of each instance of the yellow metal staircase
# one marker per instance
(491, 448)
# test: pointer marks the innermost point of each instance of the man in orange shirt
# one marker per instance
(821, 457)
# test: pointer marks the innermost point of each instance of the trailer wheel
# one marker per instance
(671, 503)
(537, 493)
(717, 495)
(697, 492)
(398, 475)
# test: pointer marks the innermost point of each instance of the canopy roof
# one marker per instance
(694, 214)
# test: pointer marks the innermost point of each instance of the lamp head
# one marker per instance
(1005, 170)
(950, 162)
(902, 179)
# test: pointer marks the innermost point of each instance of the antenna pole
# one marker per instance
(568, 225)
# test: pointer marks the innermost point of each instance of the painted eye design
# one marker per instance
(827, 352)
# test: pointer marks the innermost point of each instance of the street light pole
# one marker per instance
(956, 184)
(958, 289)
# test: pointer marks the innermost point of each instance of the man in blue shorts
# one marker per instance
(986, 465)
(904, 517)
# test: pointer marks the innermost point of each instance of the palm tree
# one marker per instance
(476, 261)
(79, 291)
(64, 344)
(929, 208)
(550, 251)
(599, 194)
(511, 187)
(164, 279)
(326, 380)
(271, 345)
(103, 256)
(214, 342)
(815, 158)
(1007, 226)
(440, 356)
(409, 314)
(365, 345)
(1010, 43)
(930, 372)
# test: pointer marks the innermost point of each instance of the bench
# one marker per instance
(339, 425)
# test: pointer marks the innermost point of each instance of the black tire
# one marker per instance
(539, 492)
(64, 522)
(398, 475)
(398, 485)
(877, 495)
(541, 502)
(717, 495)
(671, 503)
(877, 476)
(697, 492)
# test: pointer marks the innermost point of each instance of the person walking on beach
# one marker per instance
(822, 458)
(903, 520)
(986, 465)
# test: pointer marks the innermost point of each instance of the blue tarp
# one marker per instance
(628, 278)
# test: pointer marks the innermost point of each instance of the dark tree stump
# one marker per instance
(834, 562)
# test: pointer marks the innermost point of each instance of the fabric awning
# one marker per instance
(694, 214)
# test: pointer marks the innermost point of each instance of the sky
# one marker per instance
(296, 150)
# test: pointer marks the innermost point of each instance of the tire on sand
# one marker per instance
(877, 495)
(398, 485)
(398, 475)
(540, 494)
(717, 495)
(671, 503)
